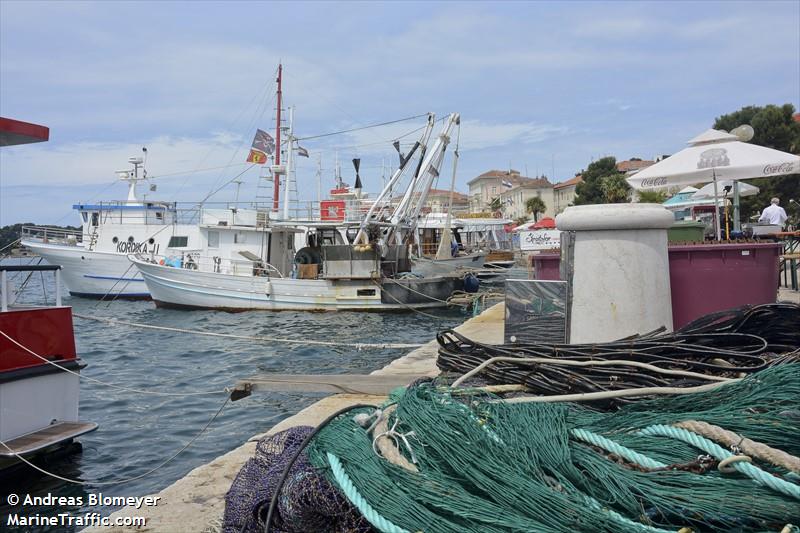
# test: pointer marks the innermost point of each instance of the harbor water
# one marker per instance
(139, 431)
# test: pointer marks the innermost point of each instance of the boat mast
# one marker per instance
(276, 176)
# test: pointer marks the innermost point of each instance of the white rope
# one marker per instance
(111, 385)
(566, 362)
(121, 481)
(622, 393)
(356, 345)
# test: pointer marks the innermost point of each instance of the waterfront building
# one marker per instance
(564, 193)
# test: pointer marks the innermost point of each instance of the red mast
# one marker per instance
(276, 176)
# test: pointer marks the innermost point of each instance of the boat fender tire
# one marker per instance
(471, 283)
(307, 256)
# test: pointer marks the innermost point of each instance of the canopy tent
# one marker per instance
(681, 197)
(707, 191)
(712, 156)
(545, 223)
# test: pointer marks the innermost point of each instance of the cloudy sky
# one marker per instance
(542, 87)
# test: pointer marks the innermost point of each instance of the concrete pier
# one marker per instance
(196, 502)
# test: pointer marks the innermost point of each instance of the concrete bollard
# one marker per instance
(620, 270)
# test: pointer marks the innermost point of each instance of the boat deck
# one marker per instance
(46, 437)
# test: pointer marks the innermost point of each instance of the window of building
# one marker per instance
(178, 242)
(213, 239)
(239, 238)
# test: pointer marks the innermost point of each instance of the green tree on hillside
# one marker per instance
(535, 206)
(776, 128)
(602, 184)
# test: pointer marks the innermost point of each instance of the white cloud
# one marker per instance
(95, 162)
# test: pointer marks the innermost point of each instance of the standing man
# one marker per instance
(774, 213)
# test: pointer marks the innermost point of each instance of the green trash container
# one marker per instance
(686, 231)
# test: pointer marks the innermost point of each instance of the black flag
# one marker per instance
(396, 145)
(357, 163)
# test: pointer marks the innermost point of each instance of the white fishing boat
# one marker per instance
(259, 266)
(94, 259)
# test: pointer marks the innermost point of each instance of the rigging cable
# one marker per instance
(357, 345)
(110, 385)
(362, 127)
(127, 480)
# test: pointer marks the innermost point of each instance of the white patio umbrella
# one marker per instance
(707, 191)
(712, 156)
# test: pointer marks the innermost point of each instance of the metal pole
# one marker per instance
(737, 225)
(58, 287)
(319, 180)
(276, 177)
(717, 231)
(3, 291)
(289, 164)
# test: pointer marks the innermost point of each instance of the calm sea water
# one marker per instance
(137, 431)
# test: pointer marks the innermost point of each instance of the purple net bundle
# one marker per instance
(307, 501)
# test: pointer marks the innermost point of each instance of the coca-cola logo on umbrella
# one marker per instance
(715, 157)
(778, 168)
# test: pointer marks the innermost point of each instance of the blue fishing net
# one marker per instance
(307, 501)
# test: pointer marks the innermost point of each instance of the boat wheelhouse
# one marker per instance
(94, 258)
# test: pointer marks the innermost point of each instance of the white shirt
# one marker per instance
(774, 214)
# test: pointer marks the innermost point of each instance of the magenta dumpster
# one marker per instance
(705, 278)
(547, 265)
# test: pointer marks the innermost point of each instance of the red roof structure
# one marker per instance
(545, 223)
(574, 181)
(17, 132)
(633, 164)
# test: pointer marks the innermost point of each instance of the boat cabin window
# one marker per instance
(85, 216)
(213, 239)
(159, 215)
(178, 242)
(239, 238)
(95, 218)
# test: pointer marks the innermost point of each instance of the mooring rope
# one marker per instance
(711, 448)
(747, 446)
(111, 385)
(121, 481)
(261, 338)
(363, 506)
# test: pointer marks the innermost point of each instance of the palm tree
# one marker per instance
(535, 206)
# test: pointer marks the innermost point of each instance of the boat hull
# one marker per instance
(443, 267)
(93, 274)
(191, 289)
